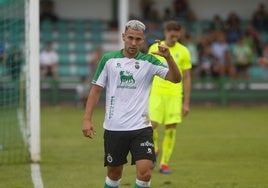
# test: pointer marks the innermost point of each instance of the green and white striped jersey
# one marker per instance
(128, 83)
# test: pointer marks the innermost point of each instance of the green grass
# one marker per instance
(13, 149)
(215, 148)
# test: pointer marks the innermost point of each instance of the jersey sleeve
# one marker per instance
(154, 48)
(159, 68)
(101, 74)
(162, 72)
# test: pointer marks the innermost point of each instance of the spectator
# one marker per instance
(82, 90)
(47, 11)
(207, 64)
(146, 8)
(242, 58)
(2, 54)
(260, 18)
(203, 41)
(191, 17)
(14, 63)
(218, 50)
(181, 9)
(154, 16)
(152, 33)
(232, 28)
(49, 61)
(190, 43)
(263, 60)
(167, 14)
(254, 39)
(229, 69)
(94, 60)
(217, 24)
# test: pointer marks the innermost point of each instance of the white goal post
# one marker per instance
(33, 78)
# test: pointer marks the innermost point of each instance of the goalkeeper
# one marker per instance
(165, 105)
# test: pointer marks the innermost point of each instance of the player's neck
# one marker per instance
(129, 55)
(170, 44)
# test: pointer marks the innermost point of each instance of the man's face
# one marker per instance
(49, 47)
(133, 42)
(171, 37)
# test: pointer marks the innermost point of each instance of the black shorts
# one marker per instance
(117, 145)
(242, 67)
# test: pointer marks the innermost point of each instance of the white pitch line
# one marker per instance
(35, 169)
(36, 176)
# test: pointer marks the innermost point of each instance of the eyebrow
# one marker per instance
(136, 38)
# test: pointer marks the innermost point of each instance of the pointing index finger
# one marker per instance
(158, 41)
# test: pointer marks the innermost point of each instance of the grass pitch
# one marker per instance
(215, 148)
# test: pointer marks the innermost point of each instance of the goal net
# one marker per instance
(16, 122)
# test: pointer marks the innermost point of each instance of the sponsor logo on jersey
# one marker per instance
(127, 77)
(126, 80)
(146, 144)
(109, 158)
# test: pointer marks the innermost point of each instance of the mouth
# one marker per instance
(132, 49)
(174, 39)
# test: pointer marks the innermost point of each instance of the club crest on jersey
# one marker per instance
(137, 65)
(118, 65)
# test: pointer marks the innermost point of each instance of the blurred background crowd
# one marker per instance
(219, 47)
(232, 46)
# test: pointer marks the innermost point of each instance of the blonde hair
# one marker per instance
(135, 25)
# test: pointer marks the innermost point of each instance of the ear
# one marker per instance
(123, 36)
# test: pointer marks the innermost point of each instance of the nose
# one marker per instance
(133, 42)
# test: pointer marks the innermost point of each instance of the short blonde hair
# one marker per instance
(135, 25)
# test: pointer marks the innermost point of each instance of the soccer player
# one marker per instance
(127, 75)
(166, 106)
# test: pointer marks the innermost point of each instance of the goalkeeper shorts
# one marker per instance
(165, 109)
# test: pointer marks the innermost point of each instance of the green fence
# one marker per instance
(225, 90)
(220, 91)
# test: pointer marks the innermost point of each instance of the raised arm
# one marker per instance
(173, 74)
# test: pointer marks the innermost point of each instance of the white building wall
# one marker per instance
(100, 9)
(204, 9)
